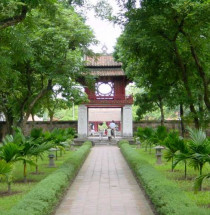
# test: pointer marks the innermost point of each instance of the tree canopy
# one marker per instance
(165, 49)
(43, 50)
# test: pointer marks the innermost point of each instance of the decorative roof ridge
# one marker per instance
(102, 61)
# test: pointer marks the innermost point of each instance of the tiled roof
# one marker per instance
(104, 60)
(107, 72)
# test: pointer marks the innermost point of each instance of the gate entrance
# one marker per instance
(108, 95)
(105, 116)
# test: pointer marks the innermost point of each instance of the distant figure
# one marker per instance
(92, 129)
(100, 130)
(104, 126)
(112, 125)
(109, 134)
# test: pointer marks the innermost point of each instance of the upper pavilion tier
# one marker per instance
(102, 61)
(111, 82)
(104, 66)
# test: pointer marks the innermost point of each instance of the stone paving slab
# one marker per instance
(104, 186)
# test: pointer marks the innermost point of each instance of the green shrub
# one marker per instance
(70, 132)
(160, 134)
(46, 194)
(145, 133)
(167, 198)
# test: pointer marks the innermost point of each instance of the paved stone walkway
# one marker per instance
(104, 186)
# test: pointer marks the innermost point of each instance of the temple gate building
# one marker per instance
(107, 99)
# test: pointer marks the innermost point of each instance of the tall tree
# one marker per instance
(15, 11)
(41, 52)
(173, 34)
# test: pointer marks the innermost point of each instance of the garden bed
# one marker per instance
(167, 195)
(41, 198)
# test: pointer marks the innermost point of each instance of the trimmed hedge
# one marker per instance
(43, 198)
(167, 198)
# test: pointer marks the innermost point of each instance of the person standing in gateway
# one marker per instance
(112, 125)
(100, 131)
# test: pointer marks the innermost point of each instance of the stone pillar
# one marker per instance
(82, 121)
(121, 122)
(127, 121)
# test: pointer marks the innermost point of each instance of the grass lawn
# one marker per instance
(202, 199)
(19, 189)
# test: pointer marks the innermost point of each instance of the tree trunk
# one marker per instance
(40, 95)
(9, 187)
(172, 161)
(32, 115)
(56, 154)
(201, 168)
(185, 169)
(24, 173)
(161, 112)
(9, 121)
(181, 120)
(146, 146)
(150, 147)
(9, 124)
(200, 71)
(51, 120)
(33, 120)
(201, 109)
(37, 171)
(186, 85)
(14, 20)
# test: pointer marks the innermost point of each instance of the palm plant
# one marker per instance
(182, 155)
(7, 139)
(160, 135)
(40, 145)
(197, 151)
(70, 133)
(146, 136)
(174, 143)
(199, 181)
(5, 168)
(36, 133)
(9, 154)
(6, 171)
(29, 148)
(199, 147)
(38, 149)
(26, 155)
(140, 133)
(58, 137)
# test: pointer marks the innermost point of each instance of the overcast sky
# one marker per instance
(105, 32)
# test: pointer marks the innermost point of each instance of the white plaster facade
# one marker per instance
(82, 121)
(104, 114)
(127, 121)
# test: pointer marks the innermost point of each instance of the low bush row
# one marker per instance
(167, 198)
(192, 151)
(46, 194)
